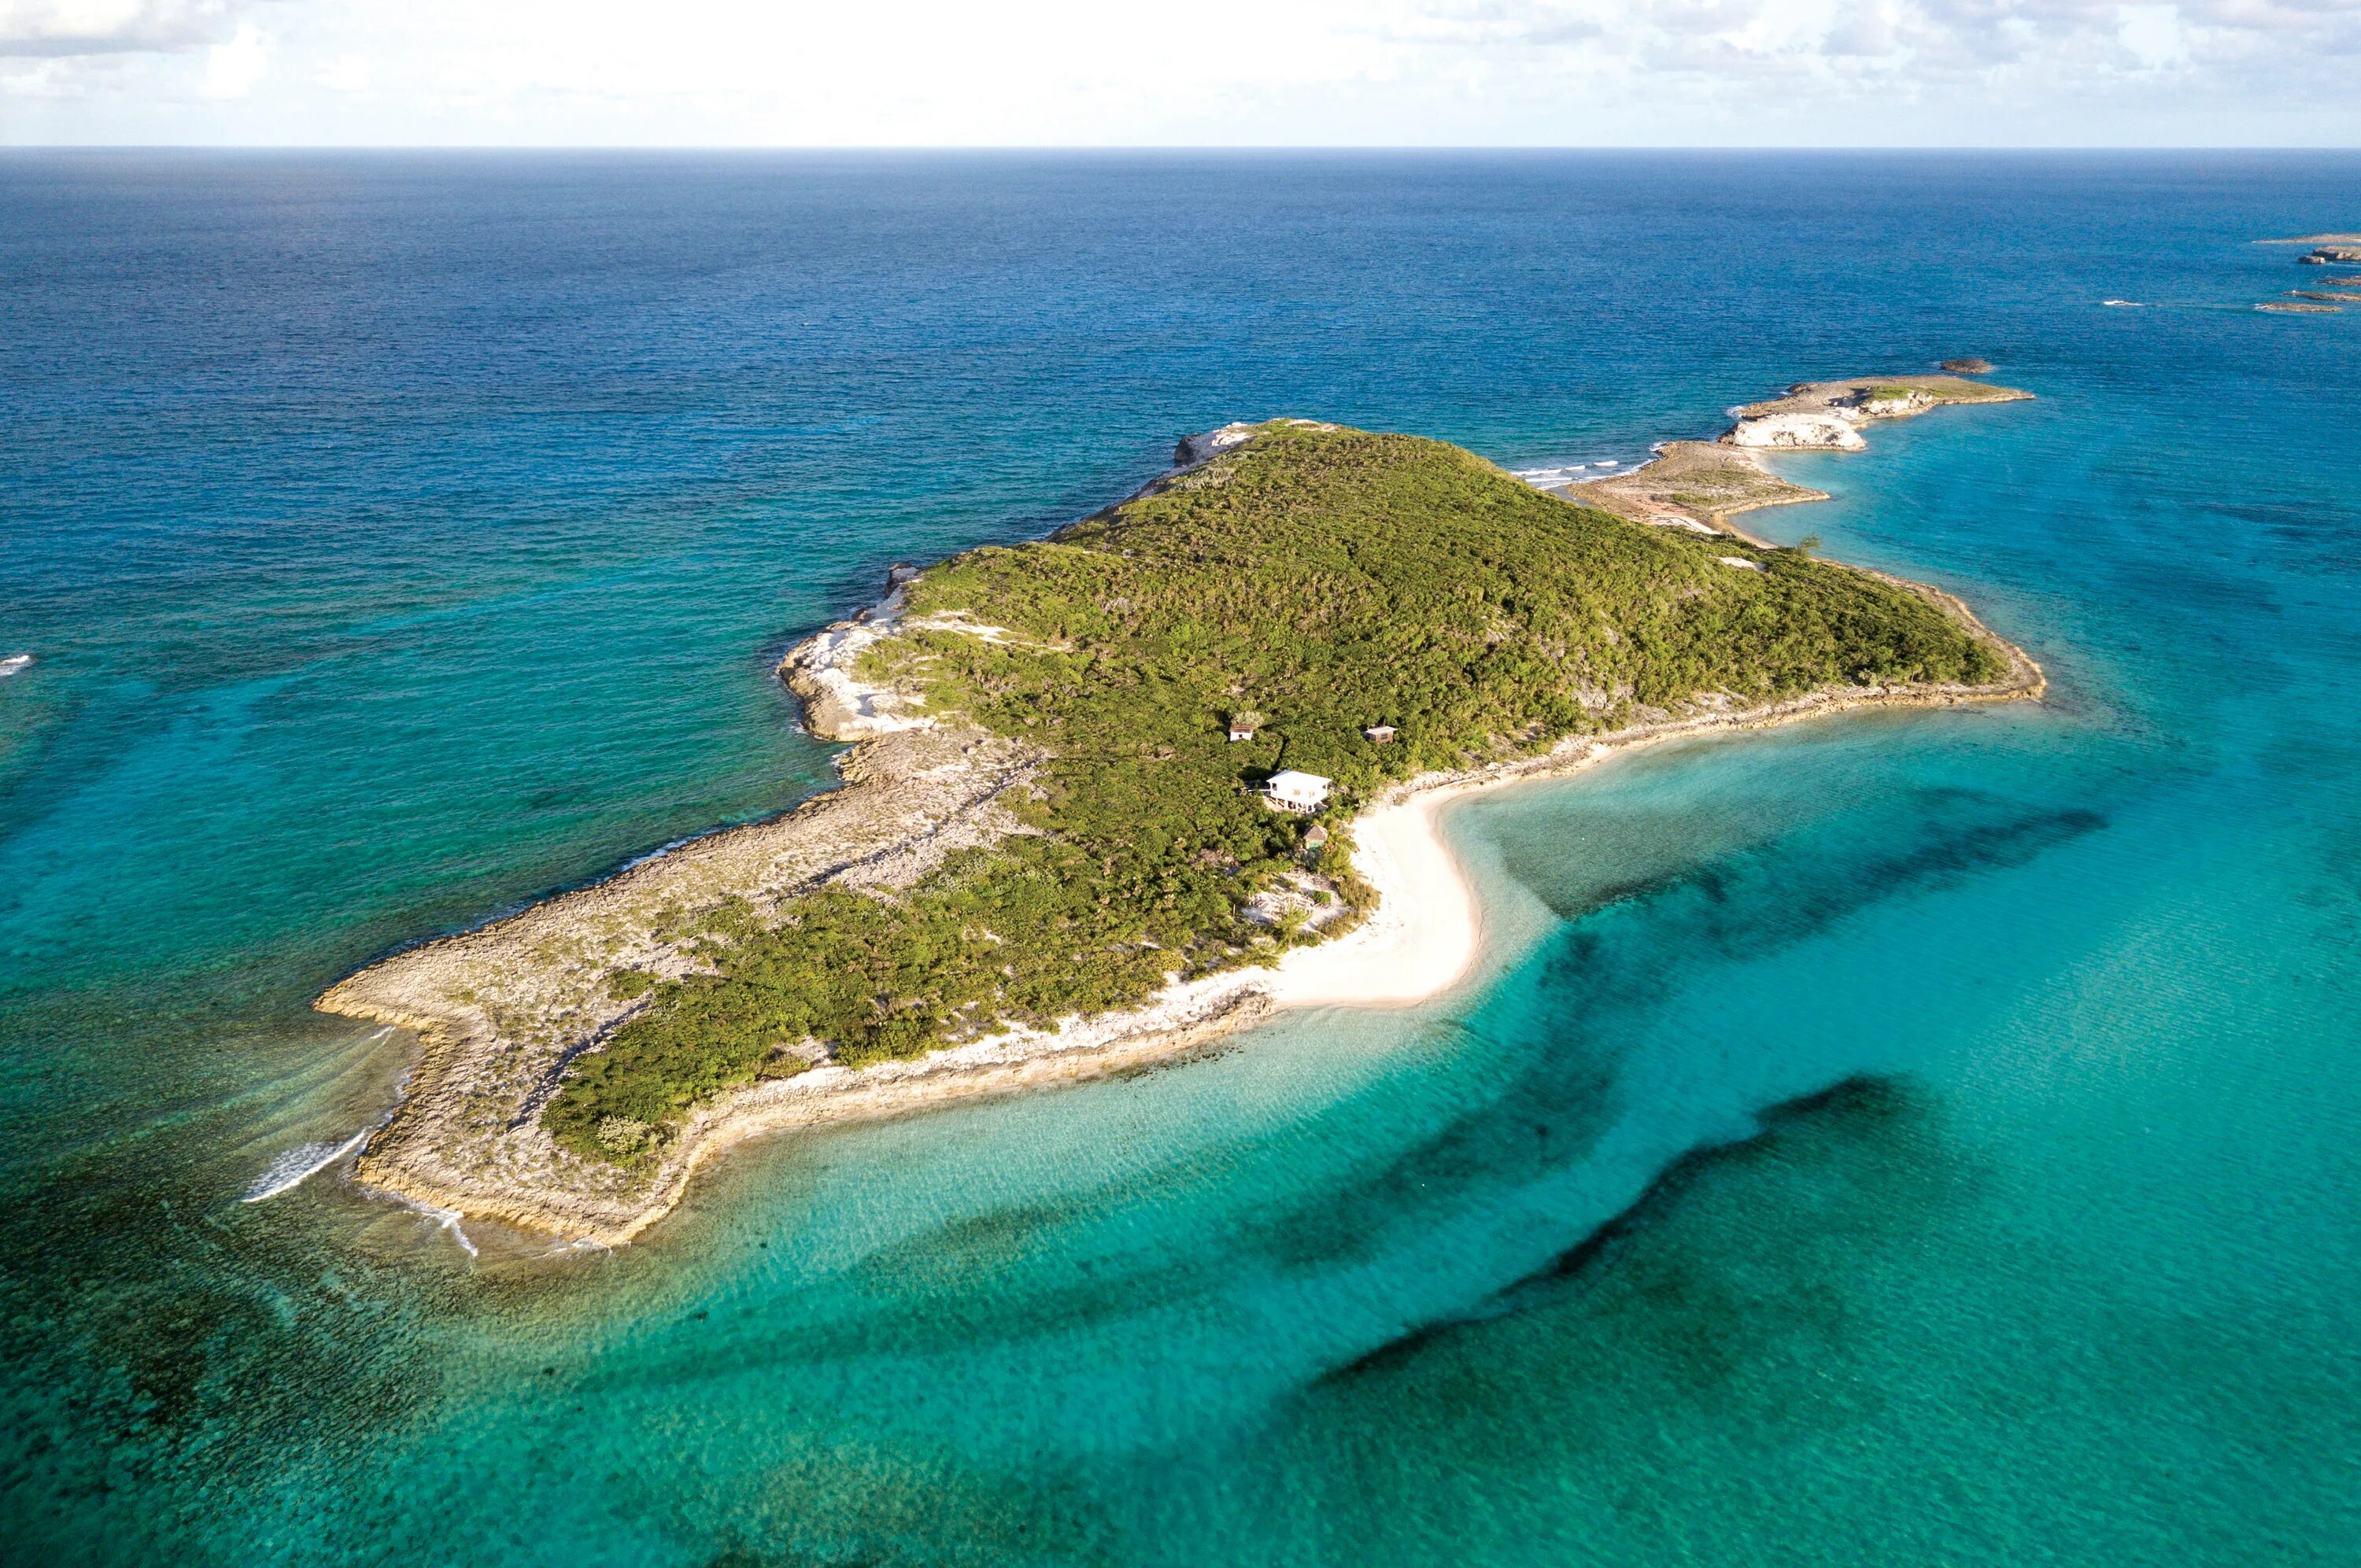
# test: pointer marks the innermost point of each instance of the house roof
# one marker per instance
(1290, 781)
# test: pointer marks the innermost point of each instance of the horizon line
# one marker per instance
(1196, 148)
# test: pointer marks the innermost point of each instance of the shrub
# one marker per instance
(1337, 578)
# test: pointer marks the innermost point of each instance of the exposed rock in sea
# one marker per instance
(1894, 403)
(1700, 485)
(1825, 413)
(1827, 416)
(1970, 365)
(1831, 428)
(2327, 249)
(2293, 307)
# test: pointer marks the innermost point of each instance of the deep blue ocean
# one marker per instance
(1909, 1138)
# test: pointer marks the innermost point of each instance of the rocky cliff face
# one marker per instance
(1196, 449)
(1833, 429)
(1829, 415)
(823, 671)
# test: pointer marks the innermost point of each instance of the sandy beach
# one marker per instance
(1427, 928)
(499, 1012)
(1425, 936)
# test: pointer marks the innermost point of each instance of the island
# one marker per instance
(1700, 484)
(2327, 249)
(1117, 792)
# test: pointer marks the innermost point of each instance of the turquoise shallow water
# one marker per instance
(1899, 1138)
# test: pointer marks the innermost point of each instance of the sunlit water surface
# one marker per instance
(1901, 1138)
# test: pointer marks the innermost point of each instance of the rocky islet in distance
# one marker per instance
(1701, 484)
(2327, 250)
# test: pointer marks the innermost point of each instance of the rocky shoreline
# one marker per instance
(2327, 250)
(1701, 484)
(499, 1013)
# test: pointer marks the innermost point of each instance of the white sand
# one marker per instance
(1425, 933)
(1422, 939)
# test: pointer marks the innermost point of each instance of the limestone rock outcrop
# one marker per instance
(1831, 428)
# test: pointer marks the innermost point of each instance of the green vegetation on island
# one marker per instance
(1323, 579)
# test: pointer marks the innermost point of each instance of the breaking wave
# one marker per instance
(293, 1168)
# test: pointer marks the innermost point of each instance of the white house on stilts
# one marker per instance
(1296, 791)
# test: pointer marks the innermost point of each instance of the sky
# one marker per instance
(1208, 73)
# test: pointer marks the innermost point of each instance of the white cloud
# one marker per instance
(2154, 36)
(1698, 17)
(1864, 28)
(60, 28)
(1514, 23)
(1082, 71)
(232, 68)
(348, 73)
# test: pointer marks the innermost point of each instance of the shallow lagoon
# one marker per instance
(2051, 1256)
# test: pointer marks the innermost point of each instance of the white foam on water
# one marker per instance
(661, 850)
(14, 663)
(450, 1219)
(295, 1167)
(444, 1219)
